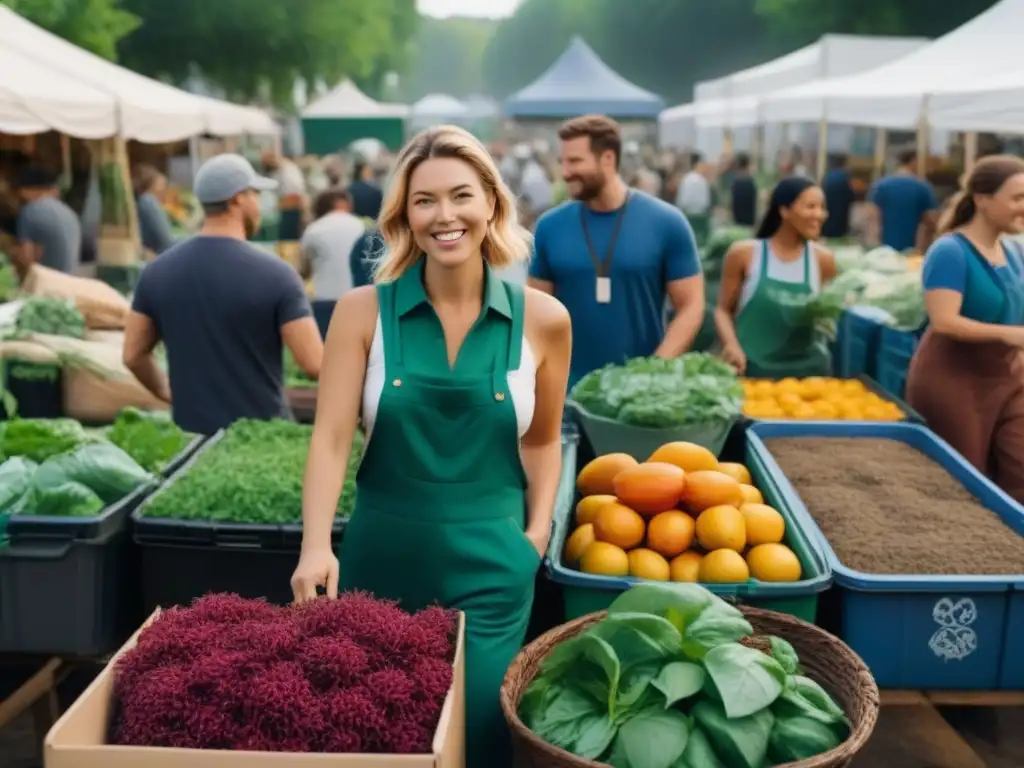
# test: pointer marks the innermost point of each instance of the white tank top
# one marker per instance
(522, 384)
(783, 271)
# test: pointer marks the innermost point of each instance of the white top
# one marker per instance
(327, 243)
(783, 271)
(290, 180)
(694, 195)
(522, 384)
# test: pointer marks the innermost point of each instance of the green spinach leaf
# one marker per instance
(566, 717)
(679, 603)
(596, 734)
(638, 638)
(699, 752)
(799, 738)
(720, 623)
(802, 697)
(747, 680)
(633, 683)
(603, 655)
(654, 738)
(679, 680)
(785, 654)
(741, 742)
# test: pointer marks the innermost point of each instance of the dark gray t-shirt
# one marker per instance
(219, 305)
(50, 224)
(154, 225)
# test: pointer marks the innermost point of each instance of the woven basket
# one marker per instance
(825, 659)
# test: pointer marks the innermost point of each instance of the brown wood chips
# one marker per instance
(886, 508)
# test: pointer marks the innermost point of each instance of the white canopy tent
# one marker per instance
(347, 101)
(438, 108)
(898, 95)
(60, 86)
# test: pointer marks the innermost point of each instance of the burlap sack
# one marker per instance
(27, 352)
(102, 306)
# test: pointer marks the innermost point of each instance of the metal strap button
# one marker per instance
(396, 383)
(499, 396)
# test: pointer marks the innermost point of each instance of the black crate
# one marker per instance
(38, 397)
(185, 559)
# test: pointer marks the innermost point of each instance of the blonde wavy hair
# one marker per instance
(505, 242)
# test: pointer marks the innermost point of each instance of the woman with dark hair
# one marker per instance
(967, 375)
(154, 223)
(761, 315)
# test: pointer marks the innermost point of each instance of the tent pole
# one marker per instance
(923, 148)
(970, 150)
(881, 149)
(822, 148)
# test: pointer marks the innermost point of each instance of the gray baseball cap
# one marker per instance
(222, 177)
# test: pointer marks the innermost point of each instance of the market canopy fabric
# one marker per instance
(580, 83)
(347, 101)
(137, 107)
(899, 94)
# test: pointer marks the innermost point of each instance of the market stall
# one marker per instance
(346, 114)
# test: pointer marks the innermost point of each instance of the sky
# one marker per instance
(495, 9)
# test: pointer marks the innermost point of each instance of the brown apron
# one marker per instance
(972, 396)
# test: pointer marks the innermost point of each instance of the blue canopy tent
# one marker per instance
(579, 83)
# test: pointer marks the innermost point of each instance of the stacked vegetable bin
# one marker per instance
(866, 346)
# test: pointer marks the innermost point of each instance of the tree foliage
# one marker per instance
(445, 57)
(95, 25)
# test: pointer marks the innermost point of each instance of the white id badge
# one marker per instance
(604, 290)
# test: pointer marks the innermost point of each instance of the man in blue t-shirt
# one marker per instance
(906, 206)
(838, 188)
(612, 255)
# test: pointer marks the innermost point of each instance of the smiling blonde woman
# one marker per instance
(458, 379)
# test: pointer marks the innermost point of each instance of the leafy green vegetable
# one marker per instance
(110, 472)
(15, 480)
(39, 439)
(718, 245)
(151, 438)
(294, 376)
(51, 315)
(696, 388)
(69, 499)
(251, 475)
(662, 683)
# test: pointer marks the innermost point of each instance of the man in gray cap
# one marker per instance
(49, 232)
(224, 310)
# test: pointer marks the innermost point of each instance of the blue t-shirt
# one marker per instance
(655, 246)
(903, 201)
(219, 304)
(838, 191)
(991, 294)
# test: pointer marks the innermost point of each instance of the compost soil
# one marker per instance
(886, 508)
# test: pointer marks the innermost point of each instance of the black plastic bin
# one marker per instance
(38, 397)
(185, 559)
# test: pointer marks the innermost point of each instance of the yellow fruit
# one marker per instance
(805, 412)
(723, 566)
(789, 401)
(722, 527)
(577, 543)
(686, 567)
(763, 389)
(586, 510)
(670, 533)
(773, 562)
(763, 523)
(813, 387)
(789, 384)
(597, 477)
(737, 472)
(825, 410)
(646, 564)
(605, 559)
(619, 525)
(703, 490)
(689, 457)
(651, 487)
(853, 387)
(751, 495)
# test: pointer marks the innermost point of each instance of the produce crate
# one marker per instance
(586, 593)
(122, 279)
(909, 414)
(890, 620)
(185, 559)
(895, 349)
(610, 436)
(857, 340)
(38, 397)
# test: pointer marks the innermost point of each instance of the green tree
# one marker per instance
(95, 25)
(446, 57)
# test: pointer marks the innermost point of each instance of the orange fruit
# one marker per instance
(750, 495)
(604, 559)
(646, 564)
(650, 488)
(686, 567)
(689, 457)
(619, 525)
(586, 510)
(774, 562)
(764, 524)
(706, 489)
(737, 472)
(597, 476)
(577, 543)
(670, 533)
(723, 566)
(722, 527)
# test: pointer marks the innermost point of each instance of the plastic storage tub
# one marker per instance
(895, 349)
(585, 593)
(858, 336)
(916, 631)
(610, 436)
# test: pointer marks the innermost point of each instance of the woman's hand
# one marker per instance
(733, 355)
(316, 568)
(539, 539)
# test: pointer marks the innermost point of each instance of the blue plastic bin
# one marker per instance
(857, 340)
(907, 628)
(895, 349)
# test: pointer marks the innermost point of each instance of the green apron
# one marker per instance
(779, 337)
(441, 491)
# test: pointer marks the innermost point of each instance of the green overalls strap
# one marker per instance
(441, 492)
(775, 330)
